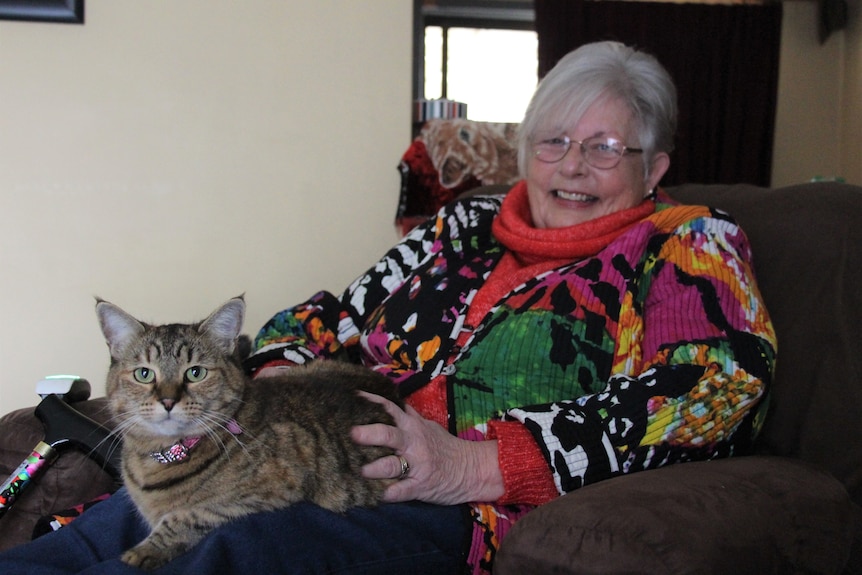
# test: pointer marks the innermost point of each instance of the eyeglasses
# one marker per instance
(599, 151)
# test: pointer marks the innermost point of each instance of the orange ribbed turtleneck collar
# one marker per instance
(532, 251)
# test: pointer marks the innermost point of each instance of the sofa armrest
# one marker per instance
(742, 515)
(73, 479)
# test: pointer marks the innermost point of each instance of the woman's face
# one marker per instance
(570, 191)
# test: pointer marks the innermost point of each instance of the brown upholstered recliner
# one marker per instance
(794, 507)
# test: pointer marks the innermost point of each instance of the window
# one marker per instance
(481, 53)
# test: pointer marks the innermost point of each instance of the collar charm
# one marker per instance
(180, 450)
(176, 452)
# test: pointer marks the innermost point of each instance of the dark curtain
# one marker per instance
(723, 58)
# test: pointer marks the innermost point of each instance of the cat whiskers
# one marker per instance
(126, 421)
(211, 420)
(115, 437)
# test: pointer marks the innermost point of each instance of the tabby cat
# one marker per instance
(203, 443)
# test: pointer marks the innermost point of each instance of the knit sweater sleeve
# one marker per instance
(327, 326)
(695, 354)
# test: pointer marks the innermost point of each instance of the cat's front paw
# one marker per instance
(146, 557)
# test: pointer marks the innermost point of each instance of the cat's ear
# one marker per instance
(225, 323)
(118, 327)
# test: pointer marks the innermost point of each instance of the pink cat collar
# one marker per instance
(179, 451)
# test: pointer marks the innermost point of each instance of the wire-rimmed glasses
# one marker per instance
(601, 152)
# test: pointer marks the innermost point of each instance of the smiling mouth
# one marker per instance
(574, 196)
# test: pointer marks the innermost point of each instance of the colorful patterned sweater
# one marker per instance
(653, 348)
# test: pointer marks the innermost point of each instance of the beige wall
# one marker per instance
(851, 101)
(807, 142)
(168, 155)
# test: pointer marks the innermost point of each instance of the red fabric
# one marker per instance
(278, 363)
(526, 474)
(532, 251)
(514, 228)
(422, 194)
(430, 401)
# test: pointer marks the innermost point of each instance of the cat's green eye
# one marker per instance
(144, 375)
(195, 374)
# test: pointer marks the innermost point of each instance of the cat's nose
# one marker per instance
(168, 403)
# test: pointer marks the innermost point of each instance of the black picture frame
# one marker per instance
(59, 11)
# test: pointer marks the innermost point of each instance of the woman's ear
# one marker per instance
(660, 164)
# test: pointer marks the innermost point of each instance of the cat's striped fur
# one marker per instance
(261, 444)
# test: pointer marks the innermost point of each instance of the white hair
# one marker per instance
(604, 71)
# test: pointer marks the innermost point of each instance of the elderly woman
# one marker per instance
(580, 327)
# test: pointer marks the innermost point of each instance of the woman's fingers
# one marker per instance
(440, 468)
(377, 434)
(388, 467)
(390, 407)
(395, 466)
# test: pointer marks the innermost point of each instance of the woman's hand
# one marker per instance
(443, 468)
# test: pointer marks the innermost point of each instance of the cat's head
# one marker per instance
(175, 379)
